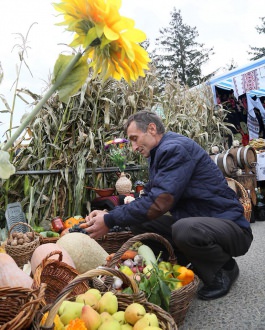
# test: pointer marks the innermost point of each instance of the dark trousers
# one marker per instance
(208, 243)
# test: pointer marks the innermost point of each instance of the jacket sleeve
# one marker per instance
(170, 172)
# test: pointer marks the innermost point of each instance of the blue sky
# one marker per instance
(228, 26)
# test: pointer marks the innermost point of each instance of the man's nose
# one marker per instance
(134, 146)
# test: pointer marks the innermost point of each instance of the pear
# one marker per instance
(126, 326)
(91, 318)
(67, 304)
(95, 292)
(119, 316)
(149, 319)
(108, 303)
(71, 311)
(110, 325)
(152, 328)
(134, 312)
(105, 316)
(88, 298)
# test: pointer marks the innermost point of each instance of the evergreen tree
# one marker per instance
(256, 51)
(178, 55)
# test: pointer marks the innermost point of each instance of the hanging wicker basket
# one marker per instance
(166, 322)
(243, 196)
(181, 298)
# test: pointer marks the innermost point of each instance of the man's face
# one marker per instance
(143, 142)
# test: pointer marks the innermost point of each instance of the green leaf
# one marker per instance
(155, 299)
(75, 79)
(128, 290)
(165, 295)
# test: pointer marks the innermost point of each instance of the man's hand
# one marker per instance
(95, 225)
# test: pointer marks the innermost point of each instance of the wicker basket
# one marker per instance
(56, 274)
(243, 196)
(181, 298)
(22, 253)
(114, 240)
(18, 306)
(166, 322)
(110, 242)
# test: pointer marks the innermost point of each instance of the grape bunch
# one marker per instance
(76, 229)
(117, 229)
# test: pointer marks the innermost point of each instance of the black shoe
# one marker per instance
(221, 284)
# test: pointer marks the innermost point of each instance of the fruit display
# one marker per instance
(157, 278)
(94, 310)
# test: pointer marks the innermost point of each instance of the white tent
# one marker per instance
(249, 79)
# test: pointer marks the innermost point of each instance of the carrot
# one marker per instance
(110, 256)
(129, 254)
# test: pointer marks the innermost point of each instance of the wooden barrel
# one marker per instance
(225, 162)
(245, 158)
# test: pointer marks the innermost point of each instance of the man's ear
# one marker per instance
(152, 128)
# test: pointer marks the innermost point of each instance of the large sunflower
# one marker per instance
(111, 40)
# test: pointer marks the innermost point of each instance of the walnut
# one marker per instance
(14, 242)
(20, 241)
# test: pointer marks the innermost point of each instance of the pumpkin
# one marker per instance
(86, 253)
(43, 250)
(70, 222)
(11, 275)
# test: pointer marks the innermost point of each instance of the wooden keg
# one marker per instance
(226, 163)
(245, 158)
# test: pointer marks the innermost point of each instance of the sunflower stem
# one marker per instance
(45, 98)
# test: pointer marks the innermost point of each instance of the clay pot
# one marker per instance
(124, 184)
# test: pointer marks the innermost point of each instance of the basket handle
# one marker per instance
(60, 257)
(85, 277)
(21, 223)
(137, 238)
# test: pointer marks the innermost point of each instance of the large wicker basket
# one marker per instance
(18, 306)
(243, 196)
(112, 241)
(181, 298)
(22, 253)
(166, 322)
(56, 274)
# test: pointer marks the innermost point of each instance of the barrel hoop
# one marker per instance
(225, 163)
(245, 155)
(238, 157)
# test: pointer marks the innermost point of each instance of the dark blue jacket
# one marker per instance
(183, 180)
